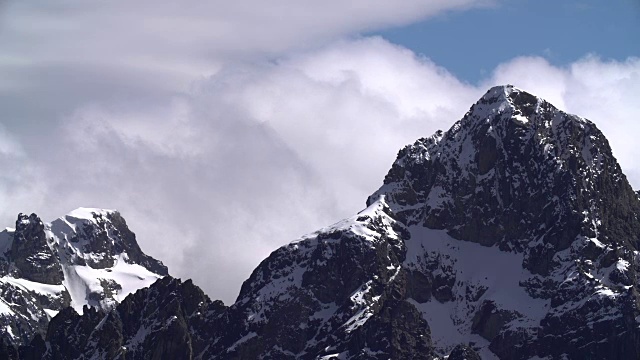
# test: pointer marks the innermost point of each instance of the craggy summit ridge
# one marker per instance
(88, 257)
(513, 235)
(514, 168)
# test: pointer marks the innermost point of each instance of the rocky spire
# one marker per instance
(31, 253)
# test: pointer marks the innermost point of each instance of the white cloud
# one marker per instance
(603, 91)
(209, 192)
(20, 181)
(183, 39)
(215, 178)
(348, 108)
(9, 147)
(216, 155)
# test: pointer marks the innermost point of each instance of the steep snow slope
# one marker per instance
(482, 274)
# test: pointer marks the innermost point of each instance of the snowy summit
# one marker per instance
(88, 257)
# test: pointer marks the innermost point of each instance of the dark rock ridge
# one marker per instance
(164, 321)
(74, 261)
(513, 235)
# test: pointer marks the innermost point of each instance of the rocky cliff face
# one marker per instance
(340, 292)
(514, 235)
(88, 257)
(165, 321)
(518, 175)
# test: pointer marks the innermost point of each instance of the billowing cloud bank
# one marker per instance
(215, 168)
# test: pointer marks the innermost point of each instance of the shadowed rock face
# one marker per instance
(151, 324)
(129, 245)
(31, 255)
(514, 234)
(463, 352)
(520, 175)
(340, 291)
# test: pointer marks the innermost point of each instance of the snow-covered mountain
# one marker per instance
(550, 230)
(513, 235)
(88, 257)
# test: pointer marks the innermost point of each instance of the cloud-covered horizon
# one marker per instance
(223, 132)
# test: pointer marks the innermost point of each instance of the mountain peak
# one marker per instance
(498, 93)
(511, 103)
(87, 257)
(89, 213)
(507, 94)
(503, 104)
(513, 169)
(501, 97)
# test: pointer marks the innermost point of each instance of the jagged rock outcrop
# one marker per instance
(338, 292)
(164, 321)
(31, 255)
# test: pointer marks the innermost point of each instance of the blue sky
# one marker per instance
(472, 43)
(224, 129)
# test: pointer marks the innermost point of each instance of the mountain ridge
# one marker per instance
(513, 235)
